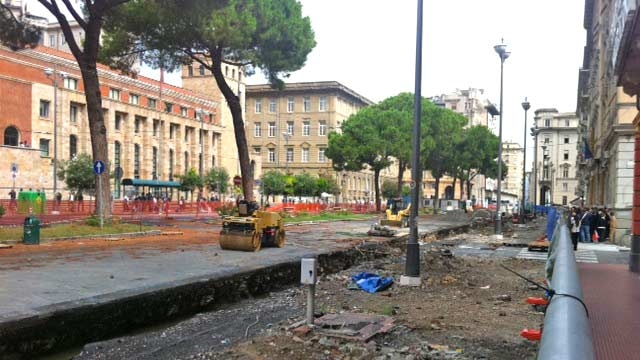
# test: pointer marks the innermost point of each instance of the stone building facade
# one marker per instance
(155, 130)
(606, 114)
(555, 157)
(289, 130)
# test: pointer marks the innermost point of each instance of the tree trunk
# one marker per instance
(402, 166)
(99, 144)
(233, 101)
(437, 197)
(376, 181)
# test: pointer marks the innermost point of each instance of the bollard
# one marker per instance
(308, 275)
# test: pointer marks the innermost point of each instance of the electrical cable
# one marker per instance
(550, 293)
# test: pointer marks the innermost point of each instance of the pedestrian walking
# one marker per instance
(601, 225)
(585, 226)
(13, 204)
(575, 229)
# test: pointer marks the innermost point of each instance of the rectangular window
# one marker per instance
(152, 103)
(190, 70)
(565, 172)
(173, 129)
(257, 129)
(156, 127)
(289, 127)
(114, 94)
(184, 111)
(273, 106)
(44, 147)
(73, 113)
(322, 128)
(321, 157)
(118, 122)
(565, 187)
(546, 140)
(305, 155)
(201, 69)
(272, 129)
(138, 124)
(187, 132)
(566, 140)
(547, 122)
(44, 108)
(566, 155)
(258, 107)
(564, 200)
(52, 41)
(136, 161)
(306, 128)
(290, 155)
(272, 156)
(290, 104)
(306, 103)
(71, 83)
(322, 106)
(134, 99)
(168, 107)
(567, 123)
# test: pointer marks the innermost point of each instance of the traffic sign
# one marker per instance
(14, 168)
(98, 167)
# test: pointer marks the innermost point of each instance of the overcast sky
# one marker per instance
(370, 47)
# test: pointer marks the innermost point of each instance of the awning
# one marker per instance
(151, 183)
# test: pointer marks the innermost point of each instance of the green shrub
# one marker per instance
(2, 210)
(228, 209)
(93, 221)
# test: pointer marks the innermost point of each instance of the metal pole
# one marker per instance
(55, 129)
(100, 197)
(412, 266)
(311, 301)
(525, 106)
(504, 54)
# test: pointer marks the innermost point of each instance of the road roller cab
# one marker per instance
(252, 229)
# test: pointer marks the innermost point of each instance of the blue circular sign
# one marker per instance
(98, 167)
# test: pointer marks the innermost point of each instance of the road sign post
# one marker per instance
(98, 168)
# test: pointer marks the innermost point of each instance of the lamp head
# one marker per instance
(48, 72)
(502, 51)
(525, 105)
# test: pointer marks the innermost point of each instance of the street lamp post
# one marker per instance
(504, 54)
(200, 114)
(286, 136)
(534, 133)
(526, 106)
(53, 75)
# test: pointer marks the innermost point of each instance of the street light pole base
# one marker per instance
(410, 280)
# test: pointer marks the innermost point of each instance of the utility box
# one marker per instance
(31, 232)
(308, 271)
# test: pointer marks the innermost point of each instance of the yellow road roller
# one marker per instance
(397, 214)
(252, 229)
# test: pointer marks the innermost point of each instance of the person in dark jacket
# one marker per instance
(601, 225)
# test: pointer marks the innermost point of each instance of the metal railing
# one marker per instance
(567, 330)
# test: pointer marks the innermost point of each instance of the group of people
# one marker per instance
(591, 225)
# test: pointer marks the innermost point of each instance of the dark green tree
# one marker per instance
(402, 139)
(364, 143)
(273, 183)
(217, 179)
(305, 185)
(440, 129)
(15, 32)
(90, 19)
(190, 181)
(389, 189)
(78, 174)
(327, 184)
(268, 34)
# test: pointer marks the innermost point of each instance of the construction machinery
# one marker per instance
(397, 214)
(252, 229)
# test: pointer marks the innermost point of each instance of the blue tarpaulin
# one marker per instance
(551, 223)
(371, 283)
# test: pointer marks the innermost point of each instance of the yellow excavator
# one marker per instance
(252, 229)
(397, 213)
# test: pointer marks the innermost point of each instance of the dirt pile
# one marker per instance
(465, 308)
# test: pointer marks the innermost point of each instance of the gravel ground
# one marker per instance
(465, 308)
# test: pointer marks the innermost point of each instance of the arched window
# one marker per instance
(11, 136)
(73, 146)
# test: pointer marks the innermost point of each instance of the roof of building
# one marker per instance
(318, 86)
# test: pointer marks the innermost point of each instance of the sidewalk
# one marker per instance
(612, 295)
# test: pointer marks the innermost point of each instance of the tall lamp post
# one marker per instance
(534, 133)
(286, 136)
(526, 106)
(504, 54)
(200, 114)
(53, 75)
